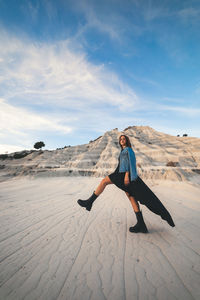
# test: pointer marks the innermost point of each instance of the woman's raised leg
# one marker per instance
(104, 182)
(88, 203)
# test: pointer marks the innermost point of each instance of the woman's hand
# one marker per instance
(126, 179)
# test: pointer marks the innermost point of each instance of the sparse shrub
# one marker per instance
(97, 138)
(127, 128)
(91, 141)
(185, 134)
(3, 156)
(22, 154)
(178, 134)
(18, 155)
(172, 164)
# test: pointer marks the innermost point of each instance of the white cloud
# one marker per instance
(93, 21)
(145, 80)
(54, 74)
(7, 148)
(58, 80)
(188, 111)
(109, 19)
(96, 17)
(189, 12)
(20, 127)
(151, 12)
(173, 100)
(17, 120)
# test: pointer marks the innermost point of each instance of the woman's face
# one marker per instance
(123, 141)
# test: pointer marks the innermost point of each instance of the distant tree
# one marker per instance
(185, 134)
(178, 134)
(39, 145)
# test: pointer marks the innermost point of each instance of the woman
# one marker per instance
(126, 178)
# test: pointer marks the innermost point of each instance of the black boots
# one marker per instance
(140, 226)
(87, 203)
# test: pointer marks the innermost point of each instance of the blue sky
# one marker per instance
(72, 70)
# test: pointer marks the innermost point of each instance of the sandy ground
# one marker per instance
(51, 248)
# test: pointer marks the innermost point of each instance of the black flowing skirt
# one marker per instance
(142, 193)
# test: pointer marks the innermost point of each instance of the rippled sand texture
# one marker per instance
(51, 248)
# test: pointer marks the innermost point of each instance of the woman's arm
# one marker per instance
(132, 164)
(126, 164)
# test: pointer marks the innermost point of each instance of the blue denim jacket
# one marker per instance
(127, 162)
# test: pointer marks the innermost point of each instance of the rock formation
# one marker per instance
(158, 156)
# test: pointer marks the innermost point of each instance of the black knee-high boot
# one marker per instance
(88, 203)
(140, 226)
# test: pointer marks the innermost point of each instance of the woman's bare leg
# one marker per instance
(134, 203)
(104, 182)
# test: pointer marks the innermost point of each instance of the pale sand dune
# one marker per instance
(51, 248)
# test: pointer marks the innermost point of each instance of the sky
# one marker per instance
(72, 70)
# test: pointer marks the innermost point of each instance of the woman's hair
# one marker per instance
(128, 143)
